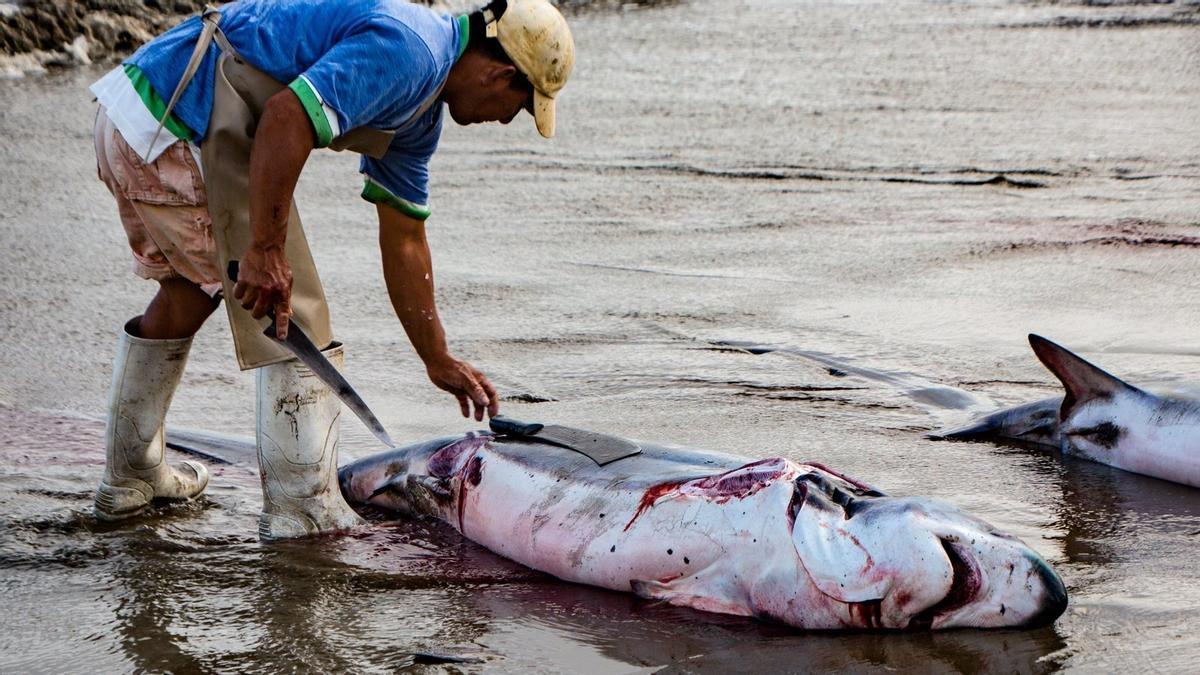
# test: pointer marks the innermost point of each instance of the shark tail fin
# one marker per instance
(1083, 381)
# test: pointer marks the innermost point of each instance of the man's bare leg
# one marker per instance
(178, 311)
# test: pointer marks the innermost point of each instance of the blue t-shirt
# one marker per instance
(352, 63)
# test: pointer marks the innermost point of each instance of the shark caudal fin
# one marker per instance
(1083, 381)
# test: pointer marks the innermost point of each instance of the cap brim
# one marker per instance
(543, 113)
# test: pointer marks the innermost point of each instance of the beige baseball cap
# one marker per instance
(536, 37)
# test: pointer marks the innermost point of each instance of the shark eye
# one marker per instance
(1105, 433)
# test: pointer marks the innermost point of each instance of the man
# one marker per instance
(201, 137)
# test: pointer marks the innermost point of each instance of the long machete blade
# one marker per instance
(298, 343)
(304, 349)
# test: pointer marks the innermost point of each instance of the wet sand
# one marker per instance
(889, 195)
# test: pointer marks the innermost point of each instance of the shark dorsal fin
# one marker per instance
(1083, 381)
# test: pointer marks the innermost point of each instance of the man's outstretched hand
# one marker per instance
(467, 384)
(264, 282)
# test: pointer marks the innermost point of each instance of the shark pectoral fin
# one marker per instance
(836, 561)
(407, 494)
(385, 489)
(708, 590)
(389, 496)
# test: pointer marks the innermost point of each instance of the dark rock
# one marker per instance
(112, 27)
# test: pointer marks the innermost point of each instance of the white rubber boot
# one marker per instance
(297, 452)
(135, 473)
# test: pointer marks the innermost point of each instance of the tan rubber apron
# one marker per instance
(240, 93)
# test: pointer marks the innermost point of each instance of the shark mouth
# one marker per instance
(963, 588)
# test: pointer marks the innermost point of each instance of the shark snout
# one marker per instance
(1054, 599)
(1015, 587)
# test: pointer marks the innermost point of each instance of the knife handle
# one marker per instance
(232, 271)
(507, 425)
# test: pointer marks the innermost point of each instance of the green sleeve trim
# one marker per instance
(155, 104)
(377, 194)
(316, 112)
(464, 34)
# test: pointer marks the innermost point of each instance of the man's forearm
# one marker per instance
(282, 144)
(408, 272)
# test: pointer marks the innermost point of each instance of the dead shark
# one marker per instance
(1101, 418)
(789, 542)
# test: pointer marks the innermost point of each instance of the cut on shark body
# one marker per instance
(1100, 418)
(798, 544)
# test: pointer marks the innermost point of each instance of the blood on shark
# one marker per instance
(778, 540)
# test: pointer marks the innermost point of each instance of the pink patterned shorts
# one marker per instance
(163, 207)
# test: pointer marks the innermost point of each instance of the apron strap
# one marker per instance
(425, 106)
(210, 19)
(224, 44)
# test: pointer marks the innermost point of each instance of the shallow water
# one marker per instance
(887, 195)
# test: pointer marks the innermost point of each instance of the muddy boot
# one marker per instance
(297, 452)
(135, 472)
